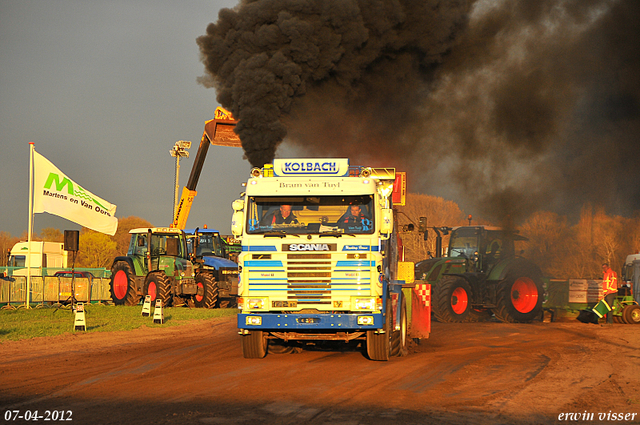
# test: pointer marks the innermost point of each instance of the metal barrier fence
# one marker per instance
(50, 271)
(54, 289)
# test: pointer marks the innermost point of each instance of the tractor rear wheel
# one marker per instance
(631, 314)
(254, 345)
(123, 284)
(379, 344)
(162, 285)
(399, 337)
(452, 296)
(519, 298)
(207, 296)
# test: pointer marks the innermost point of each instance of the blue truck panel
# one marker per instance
(335, 322)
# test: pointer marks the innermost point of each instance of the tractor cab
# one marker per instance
(483, 246)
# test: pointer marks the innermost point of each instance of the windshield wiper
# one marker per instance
(279, 234)
(337, 234)
(460, 251)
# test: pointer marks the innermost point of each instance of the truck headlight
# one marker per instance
(361, 303)
(252, 320)
(255, 303)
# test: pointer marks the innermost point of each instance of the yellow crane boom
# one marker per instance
(219, 132)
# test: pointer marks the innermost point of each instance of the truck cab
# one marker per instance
(43, 255)
(631, 274)
(319, 257)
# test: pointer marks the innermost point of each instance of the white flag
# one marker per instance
(56, 194)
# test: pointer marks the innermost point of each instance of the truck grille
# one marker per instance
(303, 279)
(309, 278)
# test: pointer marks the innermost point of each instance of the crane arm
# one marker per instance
(218, 131)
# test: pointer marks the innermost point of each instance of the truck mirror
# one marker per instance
(238, 205)
(386, 225)
(237, 221)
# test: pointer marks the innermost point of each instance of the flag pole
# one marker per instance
(31, 149)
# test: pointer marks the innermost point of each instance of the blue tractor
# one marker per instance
(216, 276)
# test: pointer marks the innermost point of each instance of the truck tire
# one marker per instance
(379, 344)
(123, 285)
(254, 345)
(207, 296)
(519, 298)
(452, 297)
(162, 284)
(399, 337)
(631, 314)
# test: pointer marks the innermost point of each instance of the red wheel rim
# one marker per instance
(199, 297)
(459, 300)
(524, 295)
(152, 291)
(120, 284)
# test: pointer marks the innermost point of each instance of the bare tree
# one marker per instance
(438, 211)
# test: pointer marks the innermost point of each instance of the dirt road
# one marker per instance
(464, 374)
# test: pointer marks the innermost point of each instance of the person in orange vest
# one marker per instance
(609, 288)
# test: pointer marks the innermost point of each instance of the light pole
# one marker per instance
(179, 150)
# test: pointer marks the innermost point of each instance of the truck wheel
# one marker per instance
(519, 298)
(379, 344)
(254, 345)
(123, 285)
(161, 282)
(207, 296)
(452, 296)
(399, 337)
(631, 314)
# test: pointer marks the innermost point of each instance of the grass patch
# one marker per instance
(21, 323)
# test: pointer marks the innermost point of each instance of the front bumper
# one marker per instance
(327, 322)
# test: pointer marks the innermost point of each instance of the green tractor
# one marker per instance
(481, 276)
(162, 271)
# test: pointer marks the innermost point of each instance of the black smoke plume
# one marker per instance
(505, 107)
(341, 68)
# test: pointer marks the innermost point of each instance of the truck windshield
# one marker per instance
(208, 244)
(627, 273)
(463, 243)
(17, 261)
(310, 215)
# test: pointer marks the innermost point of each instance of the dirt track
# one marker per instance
(464, 374)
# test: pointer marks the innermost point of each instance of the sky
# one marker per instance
(104, 89)
(506, 107)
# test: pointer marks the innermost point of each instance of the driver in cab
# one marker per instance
(353, 218)
(282, 216)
